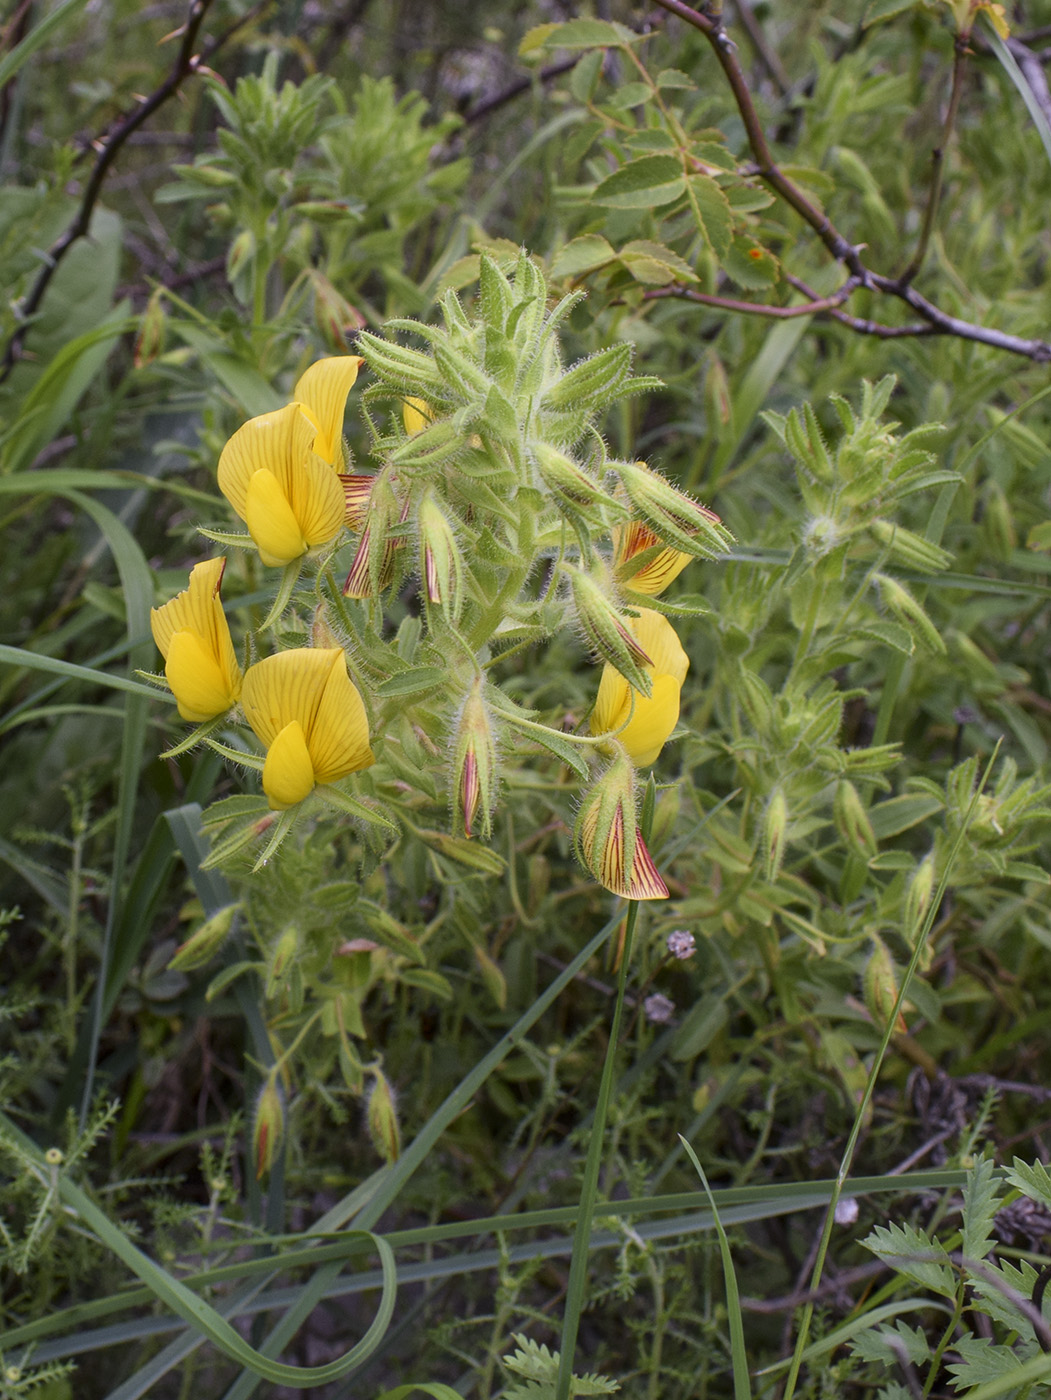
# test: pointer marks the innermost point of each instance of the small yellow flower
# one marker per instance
(416, 415)
(304, 707)
(280, 471)
(193, 636)
(652, 575)
(656, 715)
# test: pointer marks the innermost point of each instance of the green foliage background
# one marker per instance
(859, 782)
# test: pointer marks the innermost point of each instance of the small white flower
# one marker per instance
(659, 1009)
(846, 1212)
(681, 944)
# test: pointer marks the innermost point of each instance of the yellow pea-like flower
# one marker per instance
(193, 636)
(280, 473)
(656, 715)
(654, 574)
(304, 707)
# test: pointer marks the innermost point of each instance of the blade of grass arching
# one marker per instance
(37, 36)
(877, 1064)
(36, 876)
(736, 1205)
(738, 1353)
(194, 1310)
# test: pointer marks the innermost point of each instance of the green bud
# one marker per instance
(805, 441)
(880, 986)
(282, 956)
(910, 613)
(441, 564)
(569, 483)
(606, 631)
(269, 1125)
(150, 339)
(718, 403)
(334, 316)
(910, 548)
(607, 839)
(852, 820)
(405, 369)
(595, 380)
(918, 899)
(474, 764)
(430, 445)
(460, 372)
(241, 254)
(775, 832)
(676, 517)
(382, 1117)
(214, 176)
(756, 699)
(205, 942)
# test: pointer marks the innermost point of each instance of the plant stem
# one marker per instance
(578, 1269)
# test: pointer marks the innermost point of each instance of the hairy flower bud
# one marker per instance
(607, 838)
(284, 952)
(474, 771)
(910, 613)
(373, 566)
(382, 1117)
(675, 517)
(334, 316)
(775, 832)
(441, 564)
(150, 338)
(204, 942)
(880, 986)
(269, 1125)
(569, 483)
(607, 630)
(918, 898)
(910, 548)
(852, 820)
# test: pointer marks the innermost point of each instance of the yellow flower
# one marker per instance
(306, 710)
(279, 471)
(193, 636)
(655, 716)
(654, 574)
(416, 415)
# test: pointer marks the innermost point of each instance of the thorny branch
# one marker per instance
(933, 321)
(186, 64)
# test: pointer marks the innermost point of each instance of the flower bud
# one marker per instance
(441, 564)
(775, 832)
(269, 1125)
(214, 176)
(756, 699)
(918, 898)
(150, 339)
(607, 838)
(718, 402)
(382, 1117)
(474, 770)
(204, 942)
(334, 316)
(398, 365)
(240, 255)
(880, 986)
(607, 631)
(357, 488)
(284, 952)
(910, 614)
(373, 566)
(569, 483)
(910, 548)
(676, 517)
(852, 820)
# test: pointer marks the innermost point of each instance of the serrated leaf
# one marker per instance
(981, 1200)
(642, 184)
(674, 78)
(715, 215)
(1033, 1180)
(888, 1344)
(981, 1360)
(582, 254)
(667, 265)
(914, 1254)
(583, 34)
(750, 264)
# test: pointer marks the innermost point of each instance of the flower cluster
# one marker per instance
(488, 475)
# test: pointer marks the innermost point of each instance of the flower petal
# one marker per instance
(655, 717)
(199, 610)
(613, 701)
(357, 487)
(286, 687)
(317, 500)
(271, 521)
(198, 682)
(646, 882)
(416, 415)
(323, 390)
(339, 736)
(277, 442)
(288, 774)
(658, 638)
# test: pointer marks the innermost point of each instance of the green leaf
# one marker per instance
(982, 1198)
(750, 264)
(714, 214)
(411, 682)
(898, 814)
(654, 263)
(1033, 1181)
(579, 34)
(914, 1254)
(240, 379)
(642, 184)
(879, 10)
(582, 254)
